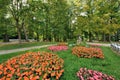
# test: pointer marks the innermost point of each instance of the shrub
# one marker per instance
(83, 43)
(32, 66)
(57, 48)
(86, 74)
(87, 52)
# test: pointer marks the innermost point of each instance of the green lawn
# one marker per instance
(110, 65)
(23, 45)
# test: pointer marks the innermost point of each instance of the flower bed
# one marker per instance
(32, 66)
(87, 52)
(86, 74)
(57, 48)
(94, 45)
(62, 44)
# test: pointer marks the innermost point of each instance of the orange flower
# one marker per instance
(3, 78)
(53, 74)
(18, 74)
(45, 76)
(8, 78)
(26, 78)
(9, 75)
(20, 78)
(1, 72)
(30, 72)
(24, 74)
(1, 67)
(61, 71)
(36, 77)
(16, 66)
(31, 76)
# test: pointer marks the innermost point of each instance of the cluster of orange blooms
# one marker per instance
(62, 44)
(87, 52)
(32, 66)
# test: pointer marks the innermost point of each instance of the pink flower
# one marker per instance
(86, 74)
(90, 78)
(95, 77)
(81, 78)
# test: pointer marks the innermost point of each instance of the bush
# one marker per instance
(87, 52)
(57, 48)
(32, 66)
(85, 74)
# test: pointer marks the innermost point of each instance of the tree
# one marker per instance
(4, 19)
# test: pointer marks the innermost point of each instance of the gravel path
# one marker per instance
(101, 44)
(22, 49)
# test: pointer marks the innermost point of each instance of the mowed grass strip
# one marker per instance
(110, 65)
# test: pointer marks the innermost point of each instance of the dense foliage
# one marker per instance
(59, 20)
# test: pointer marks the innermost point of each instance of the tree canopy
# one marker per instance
(60, 20)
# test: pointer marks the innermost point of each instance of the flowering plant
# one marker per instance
(62, 44)
(94, 45)
(86, 74)
(57, 48)
(87, 52)
(32, 66)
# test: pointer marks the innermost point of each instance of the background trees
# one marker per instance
(60, 20)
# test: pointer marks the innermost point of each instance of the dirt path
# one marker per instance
(23, 49)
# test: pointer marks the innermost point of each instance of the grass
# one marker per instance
(109, 65)
(23, 45)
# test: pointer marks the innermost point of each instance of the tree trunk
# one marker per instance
(5, 37)
(19, 35)
(109, 38)
(104, 37)
(44, 34)
(25, 31)
(18, 30)
(26, 35)
(90, 37)
(38, 37)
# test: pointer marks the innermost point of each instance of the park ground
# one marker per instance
(109, 65)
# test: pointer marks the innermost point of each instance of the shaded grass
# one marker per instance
(23, 45)
(110, 65)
